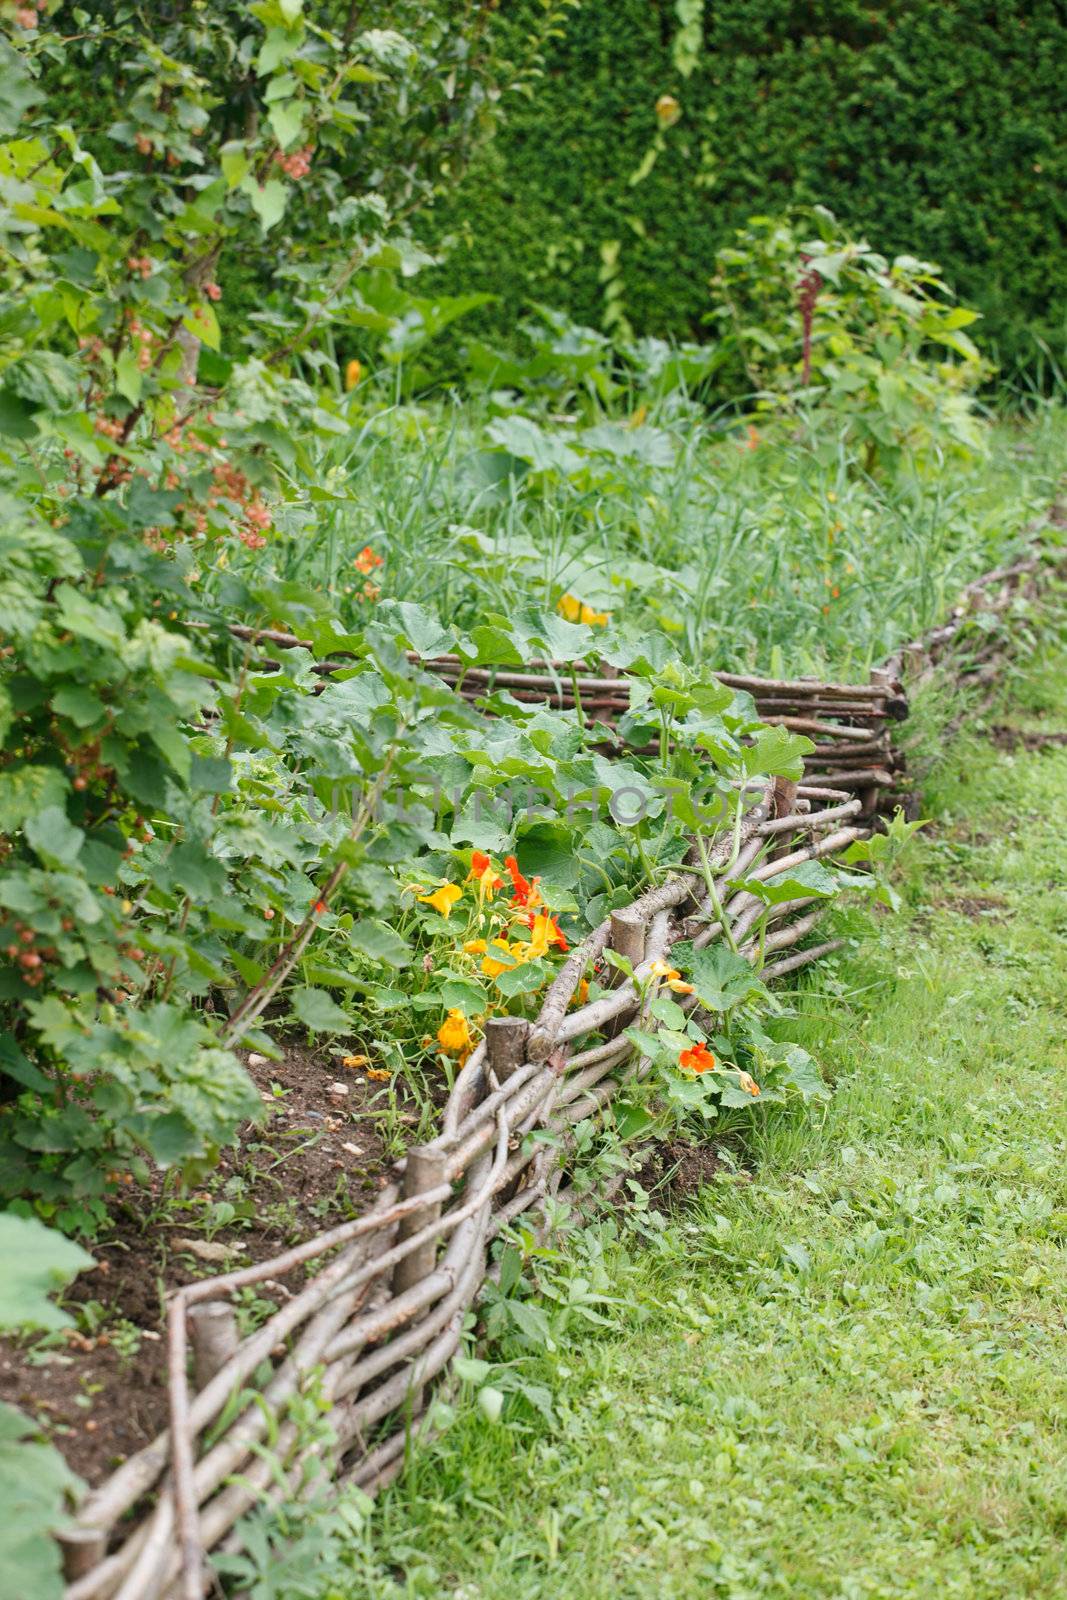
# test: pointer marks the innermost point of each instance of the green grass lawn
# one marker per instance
(845, 1375)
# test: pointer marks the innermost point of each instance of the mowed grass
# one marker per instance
(846, 1375)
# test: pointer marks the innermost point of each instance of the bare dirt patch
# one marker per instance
(1029, 739)
(99, 1389)
(976, 907)
(676, 1171)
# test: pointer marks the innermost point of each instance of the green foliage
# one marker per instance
(37, 1262)
(825, 327)
(193, 830)
(932, 129)
(154, 823)
(35, 1482)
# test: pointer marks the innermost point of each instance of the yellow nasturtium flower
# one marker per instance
(454, 1036)
(670, 976)
(491, 965)
(353, 373)
(443, 899)
(575, 610)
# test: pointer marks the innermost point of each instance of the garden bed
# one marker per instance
(99, 1388)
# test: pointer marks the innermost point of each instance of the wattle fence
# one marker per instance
(375, 1327)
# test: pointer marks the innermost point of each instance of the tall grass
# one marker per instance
(778, 556)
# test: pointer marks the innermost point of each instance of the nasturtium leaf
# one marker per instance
(460, 994)
(318, 1011)
(667, 1011)
(524, 979)
(720, 978)
(380, 943)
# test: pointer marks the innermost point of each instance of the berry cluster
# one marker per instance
(145, 340)
(296, 166)
(230, 482)
(28, 955)
(141, 264)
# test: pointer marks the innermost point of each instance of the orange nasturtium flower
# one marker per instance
(354, 1061)
(454, 1036)
(523, 893)
(575, 610)
(749, 1084)
(482, 871)
(353, 373)
(671, 977)
(367, 560)
(379, 1074)
(581, 994)
(697, 1059)
(443, 899)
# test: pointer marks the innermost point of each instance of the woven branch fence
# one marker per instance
(381, 1321)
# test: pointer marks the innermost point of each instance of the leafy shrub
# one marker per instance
(139, 870)
(36, 1483)
(826, 325)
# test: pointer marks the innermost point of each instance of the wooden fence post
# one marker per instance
(425, 1170)
(213, 1333)
(83, 1549)
(628, 935)
(505, 1040)
(880, 678)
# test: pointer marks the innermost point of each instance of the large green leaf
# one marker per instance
(720, 978)
(777, 752)
(378, 941)
(35, 1486)
(318, 1012)
(37, 1261)
(26, 792)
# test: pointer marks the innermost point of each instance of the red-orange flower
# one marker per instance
(367, 560)
(523, 893)
(482, 871)
(697, 1059)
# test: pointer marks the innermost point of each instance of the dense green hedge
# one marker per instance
(934, 126)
